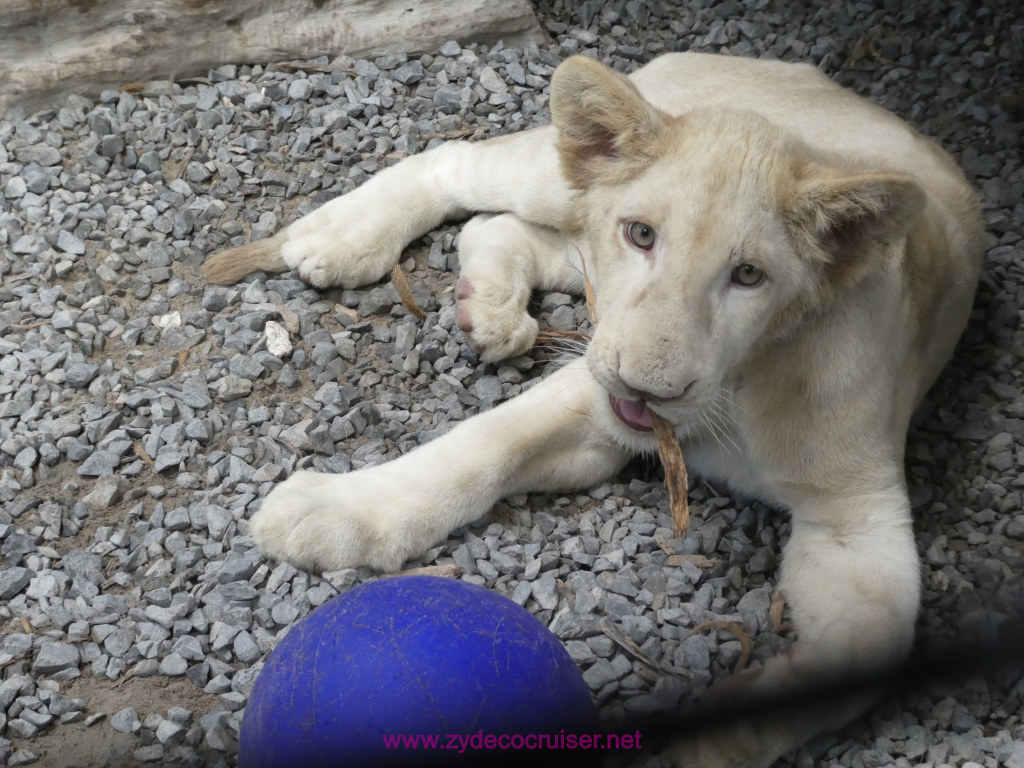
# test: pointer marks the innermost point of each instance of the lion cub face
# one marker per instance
(692, 263)
(707, 237)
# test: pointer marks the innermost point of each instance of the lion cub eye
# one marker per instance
(640, 235)
(748, 276)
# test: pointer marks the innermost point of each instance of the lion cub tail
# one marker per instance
(230, 266)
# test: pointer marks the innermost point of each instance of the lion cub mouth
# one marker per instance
(632, 413)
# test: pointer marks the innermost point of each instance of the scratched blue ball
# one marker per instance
(408, 655)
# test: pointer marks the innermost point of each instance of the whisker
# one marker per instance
(563, 356)
(723, 418)
(721, 433)
(718, 421)
(575, 345)
(729, 398)
(709, 428)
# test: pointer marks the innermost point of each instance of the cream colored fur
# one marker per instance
(870, 243)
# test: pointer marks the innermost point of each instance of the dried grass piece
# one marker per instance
(125, 678)
(30, 326)
(676, 479)
(776, 608)
(746, 644)
(474, 134)
(444, 571)
(179, 173)
(401, 284)
(288, 317)
(698, 560)
(665, 546)
(182, 357)
(626, 643)
(139, 451)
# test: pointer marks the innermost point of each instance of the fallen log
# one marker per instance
(55, 47)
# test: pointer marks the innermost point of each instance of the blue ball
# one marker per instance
(408, 655)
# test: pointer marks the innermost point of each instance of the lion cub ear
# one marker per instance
(607, 131)
(846, 221)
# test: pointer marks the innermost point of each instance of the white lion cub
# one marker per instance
(762, 244)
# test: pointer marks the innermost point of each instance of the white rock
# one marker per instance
(171, 319)
(278, 342)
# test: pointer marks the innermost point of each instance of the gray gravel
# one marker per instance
(143, 415)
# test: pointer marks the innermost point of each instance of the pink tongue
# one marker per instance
(632, 412)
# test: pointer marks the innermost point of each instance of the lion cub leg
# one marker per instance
(357, 238)
(851, 579)
(501, 259)
(546, 438)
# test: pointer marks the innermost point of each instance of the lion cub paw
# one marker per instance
(326, 257)
(348, 242)
(495, 319)
(322, 522)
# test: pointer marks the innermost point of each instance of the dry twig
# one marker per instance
(676, 480)
(474, 134)
(746, 644)
(776, 608)
(31, 326)
(445, 571)
(288, 317)
(622, 640)
(139, 451)
(401, 284)
(699, 560)
(182, 357)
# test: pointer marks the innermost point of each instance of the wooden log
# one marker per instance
(51, 48)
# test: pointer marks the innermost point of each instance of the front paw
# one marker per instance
(494, 319)
(320, 522)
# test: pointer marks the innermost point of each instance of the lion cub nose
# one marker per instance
(655, 382)
(663, 394)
